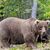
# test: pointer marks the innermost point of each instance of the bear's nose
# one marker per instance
(43, 32)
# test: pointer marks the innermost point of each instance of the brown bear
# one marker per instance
(13, 30)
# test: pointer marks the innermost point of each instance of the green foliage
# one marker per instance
(19, 8)
(43, 9)
(40, 46)
(23, 8)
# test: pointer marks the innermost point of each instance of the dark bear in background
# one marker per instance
(45, 38)
(14, 30)
(48, 31)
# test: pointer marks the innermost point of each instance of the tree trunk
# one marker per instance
(34, 9)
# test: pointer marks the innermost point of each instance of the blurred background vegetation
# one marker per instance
(23, 9)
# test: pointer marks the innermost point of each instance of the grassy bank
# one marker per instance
(40, 46)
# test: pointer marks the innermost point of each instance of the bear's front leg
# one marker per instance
(32, 45)
(30, 41)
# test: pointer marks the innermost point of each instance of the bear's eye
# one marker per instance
(46, 27)
(40, 28)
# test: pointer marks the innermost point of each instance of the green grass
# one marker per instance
(40, 46)
(20, 47)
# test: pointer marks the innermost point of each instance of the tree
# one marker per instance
(34, 9)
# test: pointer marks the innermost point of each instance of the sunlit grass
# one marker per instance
(40, 46)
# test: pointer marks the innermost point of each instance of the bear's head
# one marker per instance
(40, 27)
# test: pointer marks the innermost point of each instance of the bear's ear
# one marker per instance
(48, 22)
(37, 22)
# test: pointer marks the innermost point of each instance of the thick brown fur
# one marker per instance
(13, 30)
